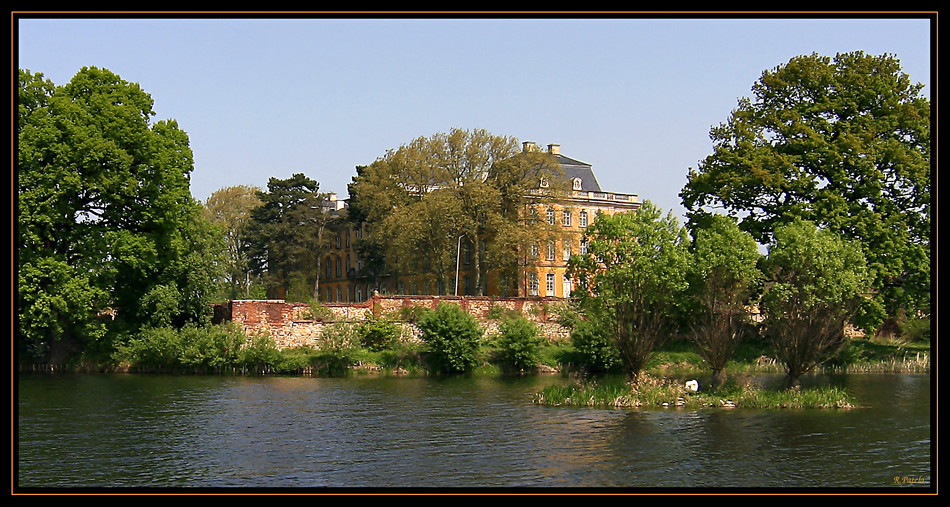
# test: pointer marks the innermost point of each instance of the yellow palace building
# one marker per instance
(545, 275)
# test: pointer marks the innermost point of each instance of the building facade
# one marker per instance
(544, 274)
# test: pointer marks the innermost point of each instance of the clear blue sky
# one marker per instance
(634, 97)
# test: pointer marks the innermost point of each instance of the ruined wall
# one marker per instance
(292, 325)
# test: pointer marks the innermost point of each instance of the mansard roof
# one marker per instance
(577, 169)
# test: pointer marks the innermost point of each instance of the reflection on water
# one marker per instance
(106, 431)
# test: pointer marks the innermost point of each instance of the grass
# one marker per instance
(657, 392)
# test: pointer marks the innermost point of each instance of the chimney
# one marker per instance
(554, 149)
(528, 146)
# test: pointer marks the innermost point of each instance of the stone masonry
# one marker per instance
(290, 324)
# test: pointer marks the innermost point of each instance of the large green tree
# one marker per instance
(422, 197)
(632, 279)
(106, 220)
(842, 142)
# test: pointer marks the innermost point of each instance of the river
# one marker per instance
(106, 433)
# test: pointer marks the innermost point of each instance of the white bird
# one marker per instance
(692, 385)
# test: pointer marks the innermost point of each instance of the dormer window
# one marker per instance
(544, 183)
(577, 183)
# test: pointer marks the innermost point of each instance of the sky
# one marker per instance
(633, 95)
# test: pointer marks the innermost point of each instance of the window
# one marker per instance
(339, 267)
(339, 240)
(552, 249)
(532, 284)
(549, 284)
(566, 219)
(534, 251)
(551, 216)
(567, 287)
(359, 295)
(577, 183)
(329, 267)
(544, 183)
(567, 252)
(583, 219)
(339, 294)
(584, 246)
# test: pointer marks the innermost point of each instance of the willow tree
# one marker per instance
(724, 279)
(816, 284)
(632, 279)
(844, 143)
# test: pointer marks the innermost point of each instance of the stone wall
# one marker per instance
(292, 325)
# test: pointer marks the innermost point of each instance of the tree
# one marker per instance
(631, 280)
(844, 143)
(723, 278)
(421, 198)
(230, 209)
(285, 237)
(105, 215)
(817, 282)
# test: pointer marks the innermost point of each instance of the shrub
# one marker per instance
(378, 334)
(451, 336)
(520, 343)
(339, 347)
(594, 347)
(261, 354)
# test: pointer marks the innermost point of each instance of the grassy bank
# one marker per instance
(658, 392)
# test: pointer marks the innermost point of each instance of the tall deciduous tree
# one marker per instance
(724, 279)
(844, 143)
(106, 217)
(632, 280)
(230, 210)
(421, 198)
(817, 282)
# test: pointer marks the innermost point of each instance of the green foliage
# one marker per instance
(595, 349)
(286, 234)
(520, 343)
(844, 143)
(205, 349)
(229, 209)
(379, 334)
(421, 198)
(452, 338)
(817, 283)
(724, 280)
(316, 311)
(339, 348)
(261, 354)
(632, 280)
(104, 206)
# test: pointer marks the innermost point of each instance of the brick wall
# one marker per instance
(290, 325)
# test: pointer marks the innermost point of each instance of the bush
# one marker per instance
(339, 347)
(594, 348)
(378, 334)
(194, 348)
(261, 354)
(520, 343)
(451, 336)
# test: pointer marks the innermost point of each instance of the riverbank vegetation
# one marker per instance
(810, 219)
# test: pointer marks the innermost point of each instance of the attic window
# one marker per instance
(544, 183)
(577, 183)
